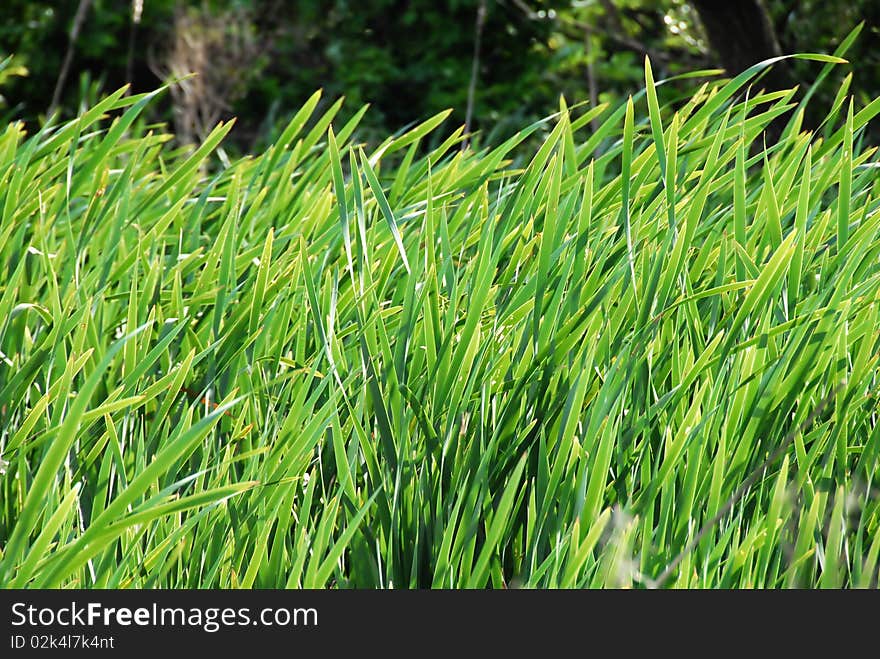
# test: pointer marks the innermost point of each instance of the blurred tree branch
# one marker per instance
(78, 21)
(475, 70)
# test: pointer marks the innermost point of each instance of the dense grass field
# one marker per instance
(645, 355)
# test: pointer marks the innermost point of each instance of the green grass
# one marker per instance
(645, 356)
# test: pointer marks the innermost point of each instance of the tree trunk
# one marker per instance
(741, 33)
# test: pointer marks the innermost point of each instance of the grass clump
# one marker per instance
(327, 367)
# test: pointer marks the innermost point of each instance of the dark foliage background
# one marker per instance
(408, 58)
